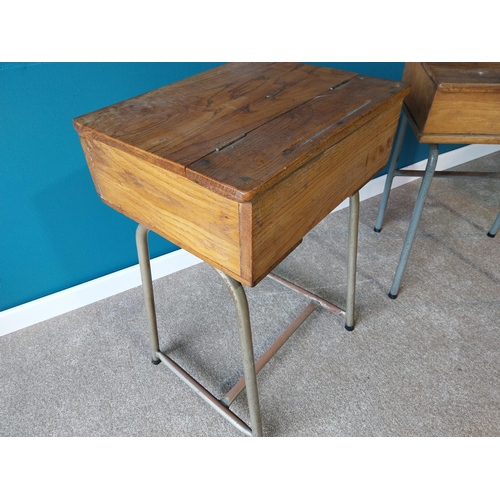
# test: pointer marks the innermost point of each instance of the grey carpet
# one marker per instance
(426, 364)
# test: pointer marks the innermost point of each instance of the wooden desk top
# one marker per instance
(465, 77)
(238, 163)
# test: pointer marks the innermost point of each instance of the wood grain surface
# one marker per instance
(284, 214)
(454, 103)
(283, 144)
(189, 119)
(200, 221)
(238, 163)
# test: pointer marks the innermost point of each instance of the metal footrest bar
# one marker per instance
(348, 314)
(240, 302)
(205, 394)
(306, 293)
(250, 368)
(265, 358)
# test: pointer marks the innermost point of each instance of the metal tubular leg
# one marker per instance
(351, 259)
(141, 238)
(264, 359)
(241, 304)
(390, 174)
(415, 218)
(495, 227)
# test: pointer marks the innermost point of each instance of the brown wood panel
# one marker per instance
(288, 211)
(455, 103)
(450, 139)
(277, 148)
(464, 113)
(201, 222)
(246, 246)
(189, 119)
(422, 92)
(164, 163)
(237, 164)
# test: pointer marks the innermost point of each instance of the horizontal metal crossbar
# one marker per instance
(205, 394)
(250, 367)
(266, 357)
(306, 293)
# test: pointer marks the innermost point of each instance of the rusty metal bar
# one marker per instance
(322, 302)
(205, 395)
(264, 359)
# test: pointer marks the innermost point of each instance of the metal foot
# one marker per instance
(415, 218)
(391, 172)
(494, 228)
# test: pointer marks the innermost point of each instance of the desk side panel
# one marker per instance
(422, 92)
(469, 112)
(461, 113)
(203, 223)
(284, 214)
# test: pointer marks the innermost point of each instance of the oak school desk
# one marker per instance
(236, 165)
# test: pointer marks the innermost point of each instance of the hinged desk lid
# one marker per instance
(275, 115)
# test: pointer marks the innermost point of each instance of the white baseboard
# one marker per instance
(78, 296)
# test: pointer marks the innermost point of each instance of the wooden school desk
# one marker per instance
(449, 103)
(236, 165)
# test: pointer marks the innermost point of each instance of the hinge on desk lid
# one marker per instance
(228, 143)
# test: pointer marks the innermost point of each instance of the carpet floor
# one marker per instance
(425, 364)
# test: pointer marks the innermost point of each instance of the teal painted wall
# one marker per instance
(55, 232)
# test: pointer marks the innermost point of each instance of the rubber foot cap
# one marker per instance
(349, 328)
(156, 361)
(490, 235)
(392, 296)
(377, 230)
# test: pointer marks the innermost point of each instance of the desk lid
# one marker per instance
(465, 76)
(239, 128)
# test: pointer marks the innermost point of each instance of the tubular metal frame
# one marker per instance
(250, 367)
(427, 175)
